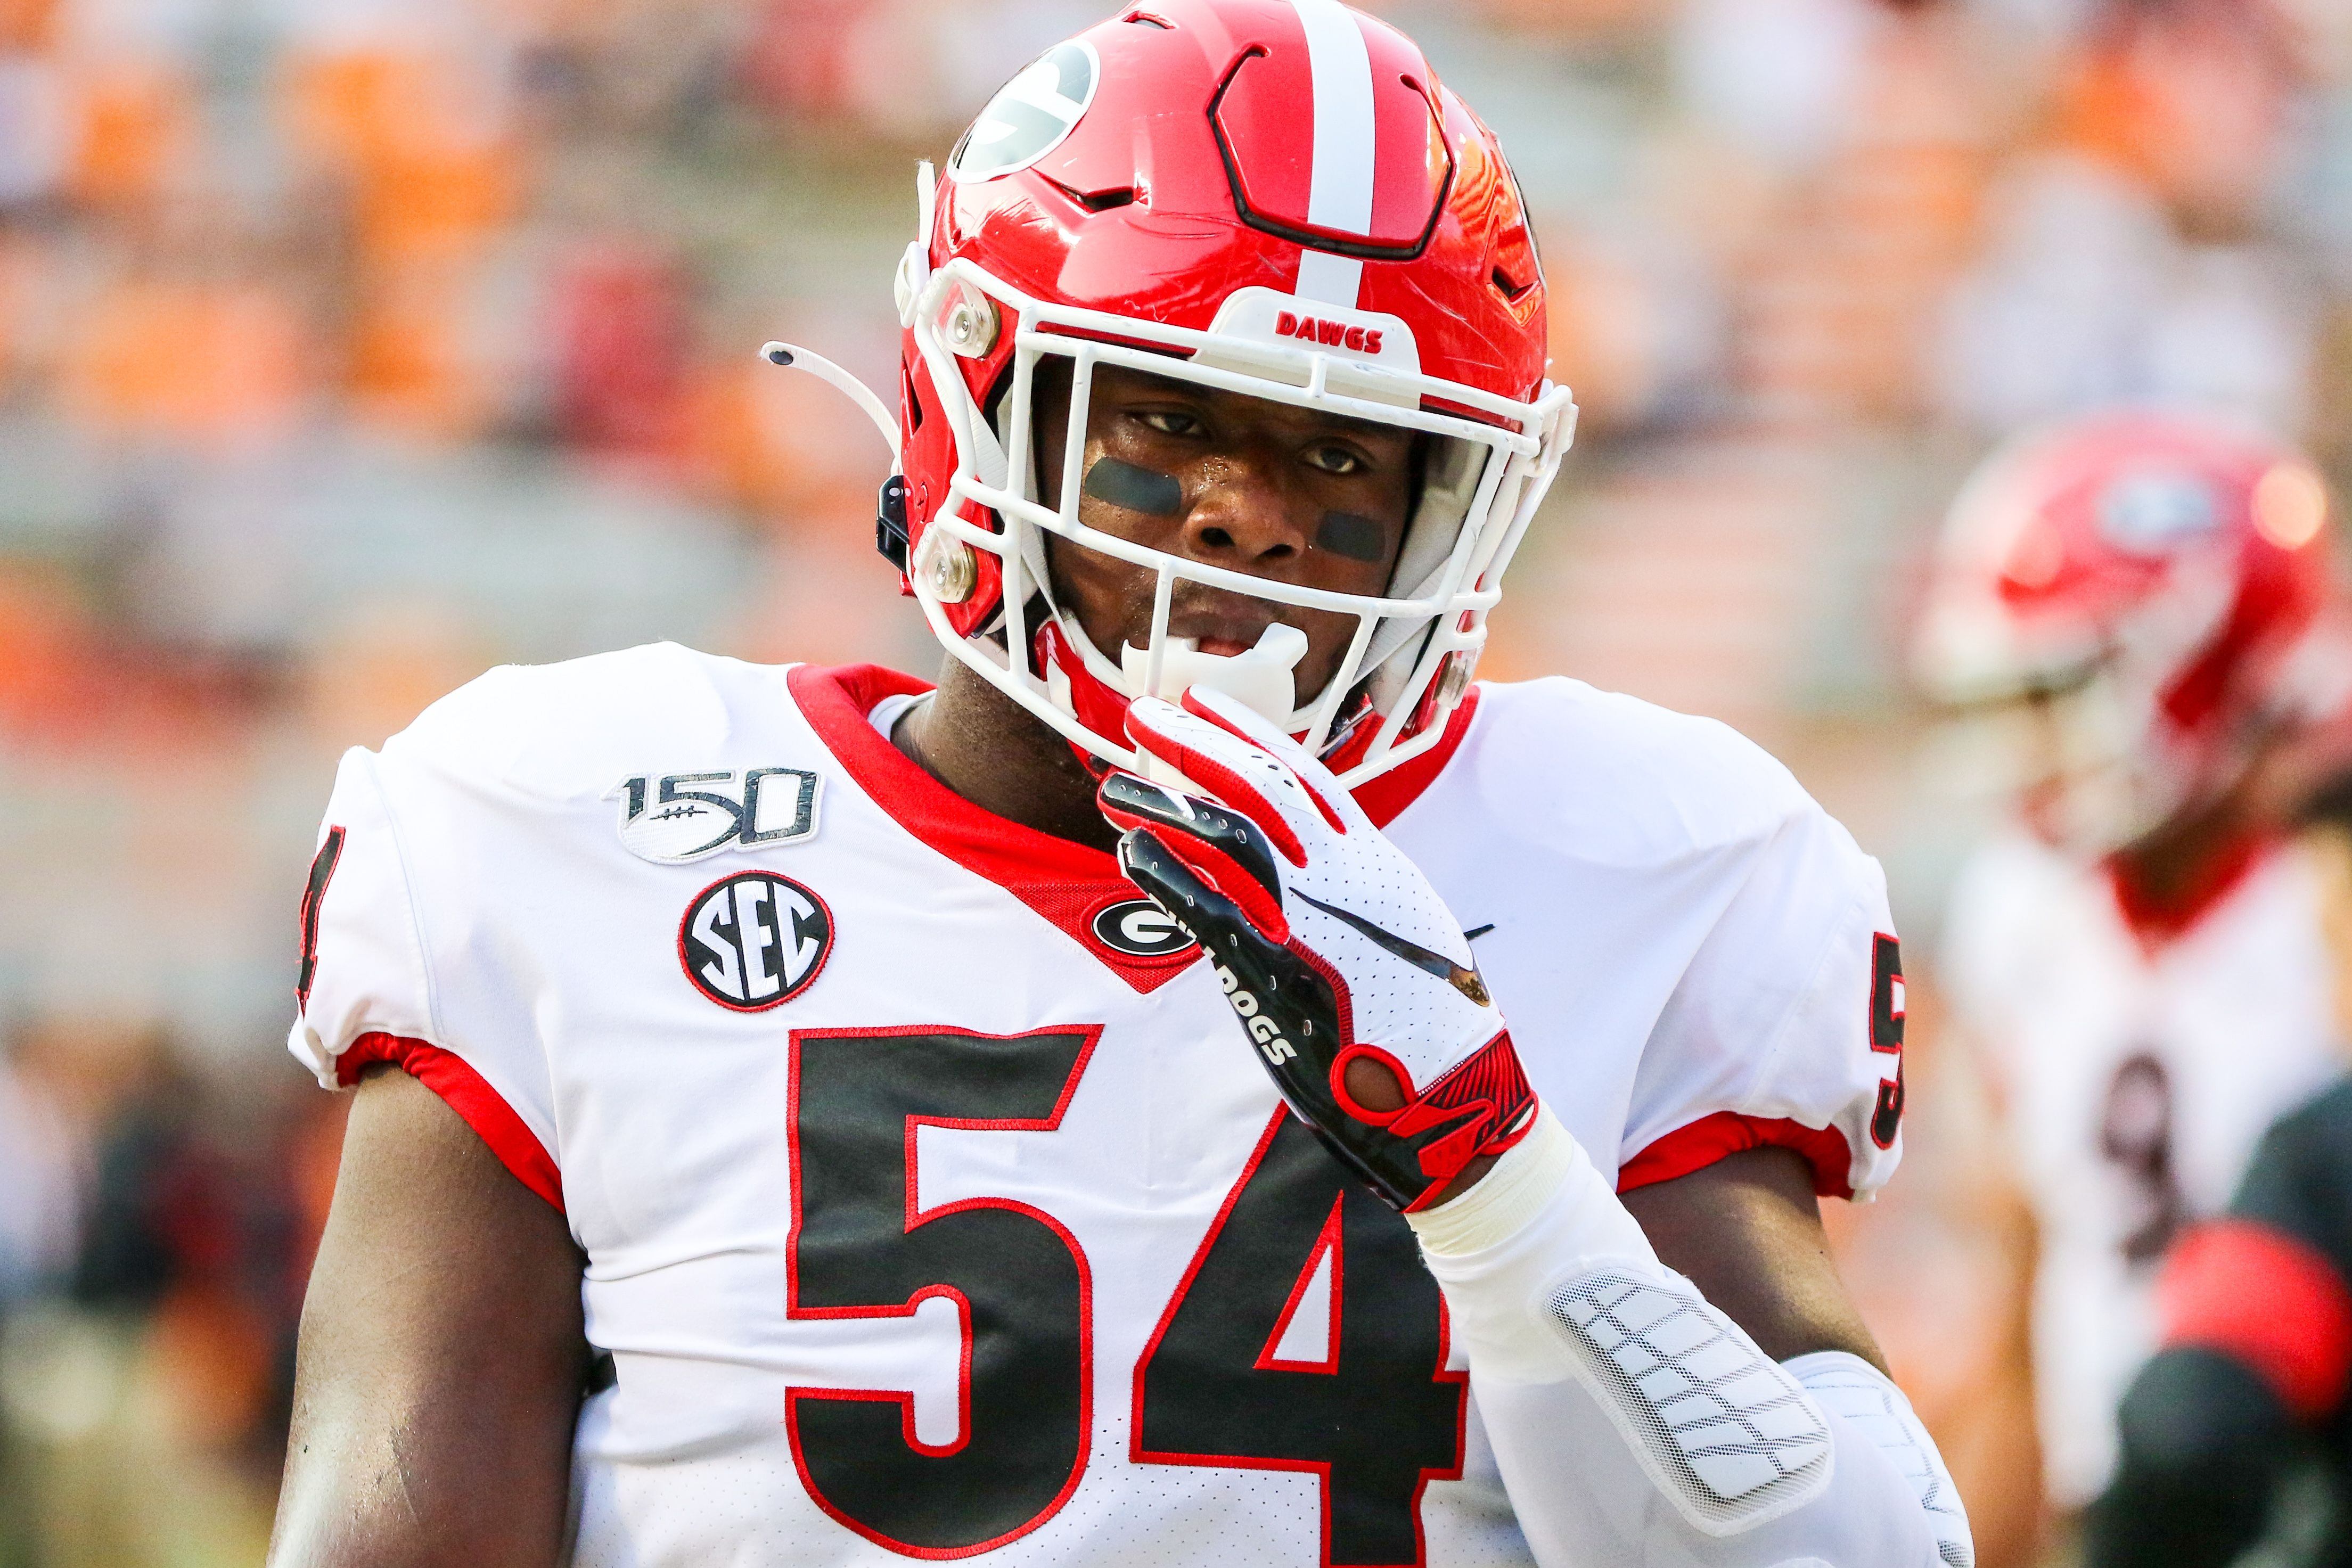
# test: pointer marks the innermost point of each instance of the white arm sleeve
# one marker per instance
(1634, 1423)
(1865, 1401)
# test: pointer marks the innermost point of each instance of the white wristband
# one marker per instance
(1492, 1250)
(1518, 1188)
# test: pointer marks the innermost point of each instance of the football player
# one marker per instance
(811, 1116)
(2137, 606)
(2252, 1382)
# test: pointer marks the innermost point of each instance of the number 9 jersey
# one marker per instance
(2135, 1069)
(932, 1205)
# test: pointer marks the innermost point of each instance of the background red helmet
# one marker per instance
(1275, 198)
(2165, 581)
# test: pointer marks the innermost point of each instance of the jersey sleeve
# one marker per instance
(1786, 1028)
(2269, 1285)
(371, 983)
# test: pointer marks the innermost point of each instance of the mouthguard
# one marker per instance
(1258, 677)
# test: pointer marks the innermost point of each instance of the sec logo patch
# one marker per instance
(1138, 928)
(754, 940)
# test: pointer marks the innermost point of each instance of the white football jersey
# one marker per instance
(2136, 1079)
(933, 1205)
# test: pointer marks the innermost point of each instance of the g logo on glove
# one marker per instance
(1330, 944)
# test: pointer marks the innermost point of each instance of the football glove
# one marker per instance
(1329, 943)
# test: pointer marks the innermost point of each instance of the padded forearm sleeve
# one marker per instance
(1863, 1402)
(1635, 1423)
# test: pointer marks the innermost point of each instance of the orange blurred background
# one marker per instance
(350, 346)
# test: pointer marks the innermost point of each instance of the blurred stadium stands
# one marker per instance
(349, 347)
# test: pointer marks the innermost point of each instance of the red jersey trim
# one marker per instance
(2267, 1299)
(1067, 883)
(1711, 1138)
(2157, 923)
(1385, 796)
(465, 1092)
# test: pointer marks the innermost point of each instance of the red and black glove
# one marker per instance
(1329, 943)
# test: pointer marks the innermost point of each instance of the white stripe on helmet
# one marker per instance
(1339, 179)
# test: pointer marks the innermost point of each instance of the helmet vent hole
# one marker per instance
(1103, 201)
(1146, 19)
(1507, 288)
(909, 401)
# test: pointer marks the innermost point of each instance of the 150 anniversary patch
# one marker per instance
(671, 818)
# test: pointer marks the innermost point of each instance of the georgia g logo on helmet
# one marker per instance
(1030, 115)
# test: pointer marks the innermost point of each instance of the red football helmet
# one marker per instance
(1274, 197)
(2159, 586)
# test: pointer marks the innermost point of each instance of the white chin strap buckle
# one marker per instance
(1260, 678)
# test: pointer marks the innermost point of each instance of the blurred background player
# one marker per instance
(2250, 1386)
(2135, 612)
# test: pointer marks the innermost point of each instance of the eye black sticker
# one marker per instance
(1356, 537)
(1136, 489)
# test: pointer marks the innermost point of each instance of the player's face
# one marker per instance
(2051, 772)
(1286, 494)
(2057, 756)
